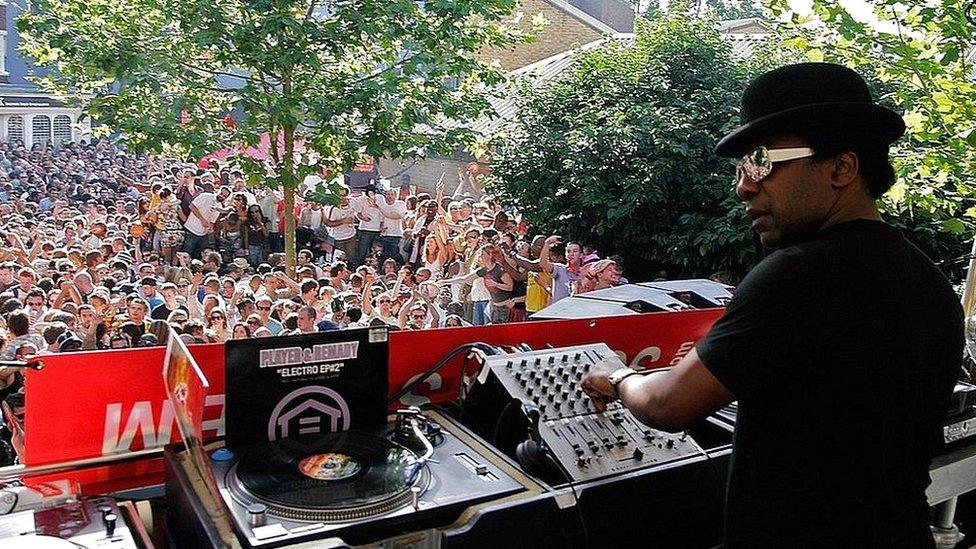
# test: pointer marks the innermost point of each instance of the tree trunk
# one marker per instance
(289, 184)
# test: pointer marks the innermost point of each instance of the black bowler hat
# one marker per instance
(810, 95)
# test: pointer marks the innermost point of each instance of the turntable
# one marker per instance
(404, 478)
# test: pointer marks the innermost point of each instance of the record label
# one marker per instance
(330, 477)
(329, 466)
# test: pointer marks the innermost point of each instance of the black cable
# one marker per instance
(576, 500)
(16, 500)
(501, 417)
(487, 349)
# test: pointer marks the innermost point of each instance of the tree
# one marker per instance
(341, 79)
(618, 152)
(918, 58)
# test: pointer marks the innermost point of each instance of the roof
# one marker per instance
(535, 75)
(751, 25)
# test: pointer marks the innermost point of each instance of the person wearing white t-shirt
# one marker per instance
(204, 211)
(341, 221)
(392, 211)
(370, 220)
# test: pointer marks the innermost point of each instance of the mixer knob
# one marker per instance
(552, 359)
(577, 357)
(518, 375)
(508, 364)
(638, 455)
(551, 397)
(529, 391)
(670, 443)
(542, 408)
(523, 363)
(565, 358)
(538, 361)
(565, 376)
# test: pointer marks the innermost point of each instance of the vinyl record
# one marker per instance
(329, 472)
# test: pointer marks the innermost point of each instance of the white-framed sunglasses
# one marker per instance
(758, 164)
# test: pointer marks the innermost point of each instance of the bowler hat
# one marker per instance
(810, 95)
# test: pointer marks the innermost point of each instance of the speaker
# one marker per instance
(577, 307)
(699, 293)
(629, 299)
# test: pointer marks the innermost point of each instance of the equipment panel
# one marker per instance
(587, 444)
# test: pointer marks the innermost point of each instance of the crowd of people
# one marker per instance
(106, 250)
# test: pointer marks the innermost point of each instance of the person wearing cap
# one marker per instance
(147, 290)
(841, 347)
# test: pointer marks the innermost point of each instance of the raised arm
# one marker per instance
(544, 262)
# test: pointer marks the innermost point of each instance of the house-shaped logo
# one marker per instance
(307, 411)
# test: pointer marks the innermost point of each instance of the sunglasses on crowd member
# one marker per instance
(758, 164)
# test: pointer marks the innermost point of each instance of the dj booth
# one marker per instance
(455, 437)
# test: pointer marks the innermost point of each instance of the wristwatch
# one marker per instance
(619, 375)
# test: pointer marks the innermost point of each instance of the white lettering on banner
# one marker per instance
(653, 352)
(683, 350)
(154, 434)
(413, 399)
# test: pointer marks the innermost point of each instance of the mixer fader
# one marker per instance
(588, 444)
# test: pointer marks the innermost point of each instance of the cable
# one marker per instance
(484, 347)
(576, 501)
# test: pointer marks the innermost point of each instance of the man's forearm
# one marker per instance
(643, 395)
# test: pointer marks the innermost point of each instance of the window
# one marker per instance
(62, 129)
(15, 128)
(3, 52)
(41, 129)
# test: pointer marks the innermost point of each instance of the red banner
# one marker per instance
(84, 405)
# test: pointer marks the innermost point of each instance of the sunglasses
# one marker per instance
(260, 308)
(253, 322)
(214, 317)
(758, 164)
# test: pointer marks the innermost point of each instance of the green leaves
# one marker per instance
(913, 58)
(617, 153)
(350, 77)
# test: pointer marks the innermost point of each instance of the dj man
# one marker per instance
(841, 346)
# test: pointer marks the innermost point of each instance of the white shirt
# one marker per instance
(311, 217)
(392, 227)
(372, 212)
(204, 203)
(269, 207)
(335, 213)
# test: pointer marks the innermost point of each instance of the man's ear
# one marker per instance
(845, 170)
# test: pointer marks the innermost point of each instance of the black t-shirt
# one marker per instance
(161, 311)
(842, 352)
